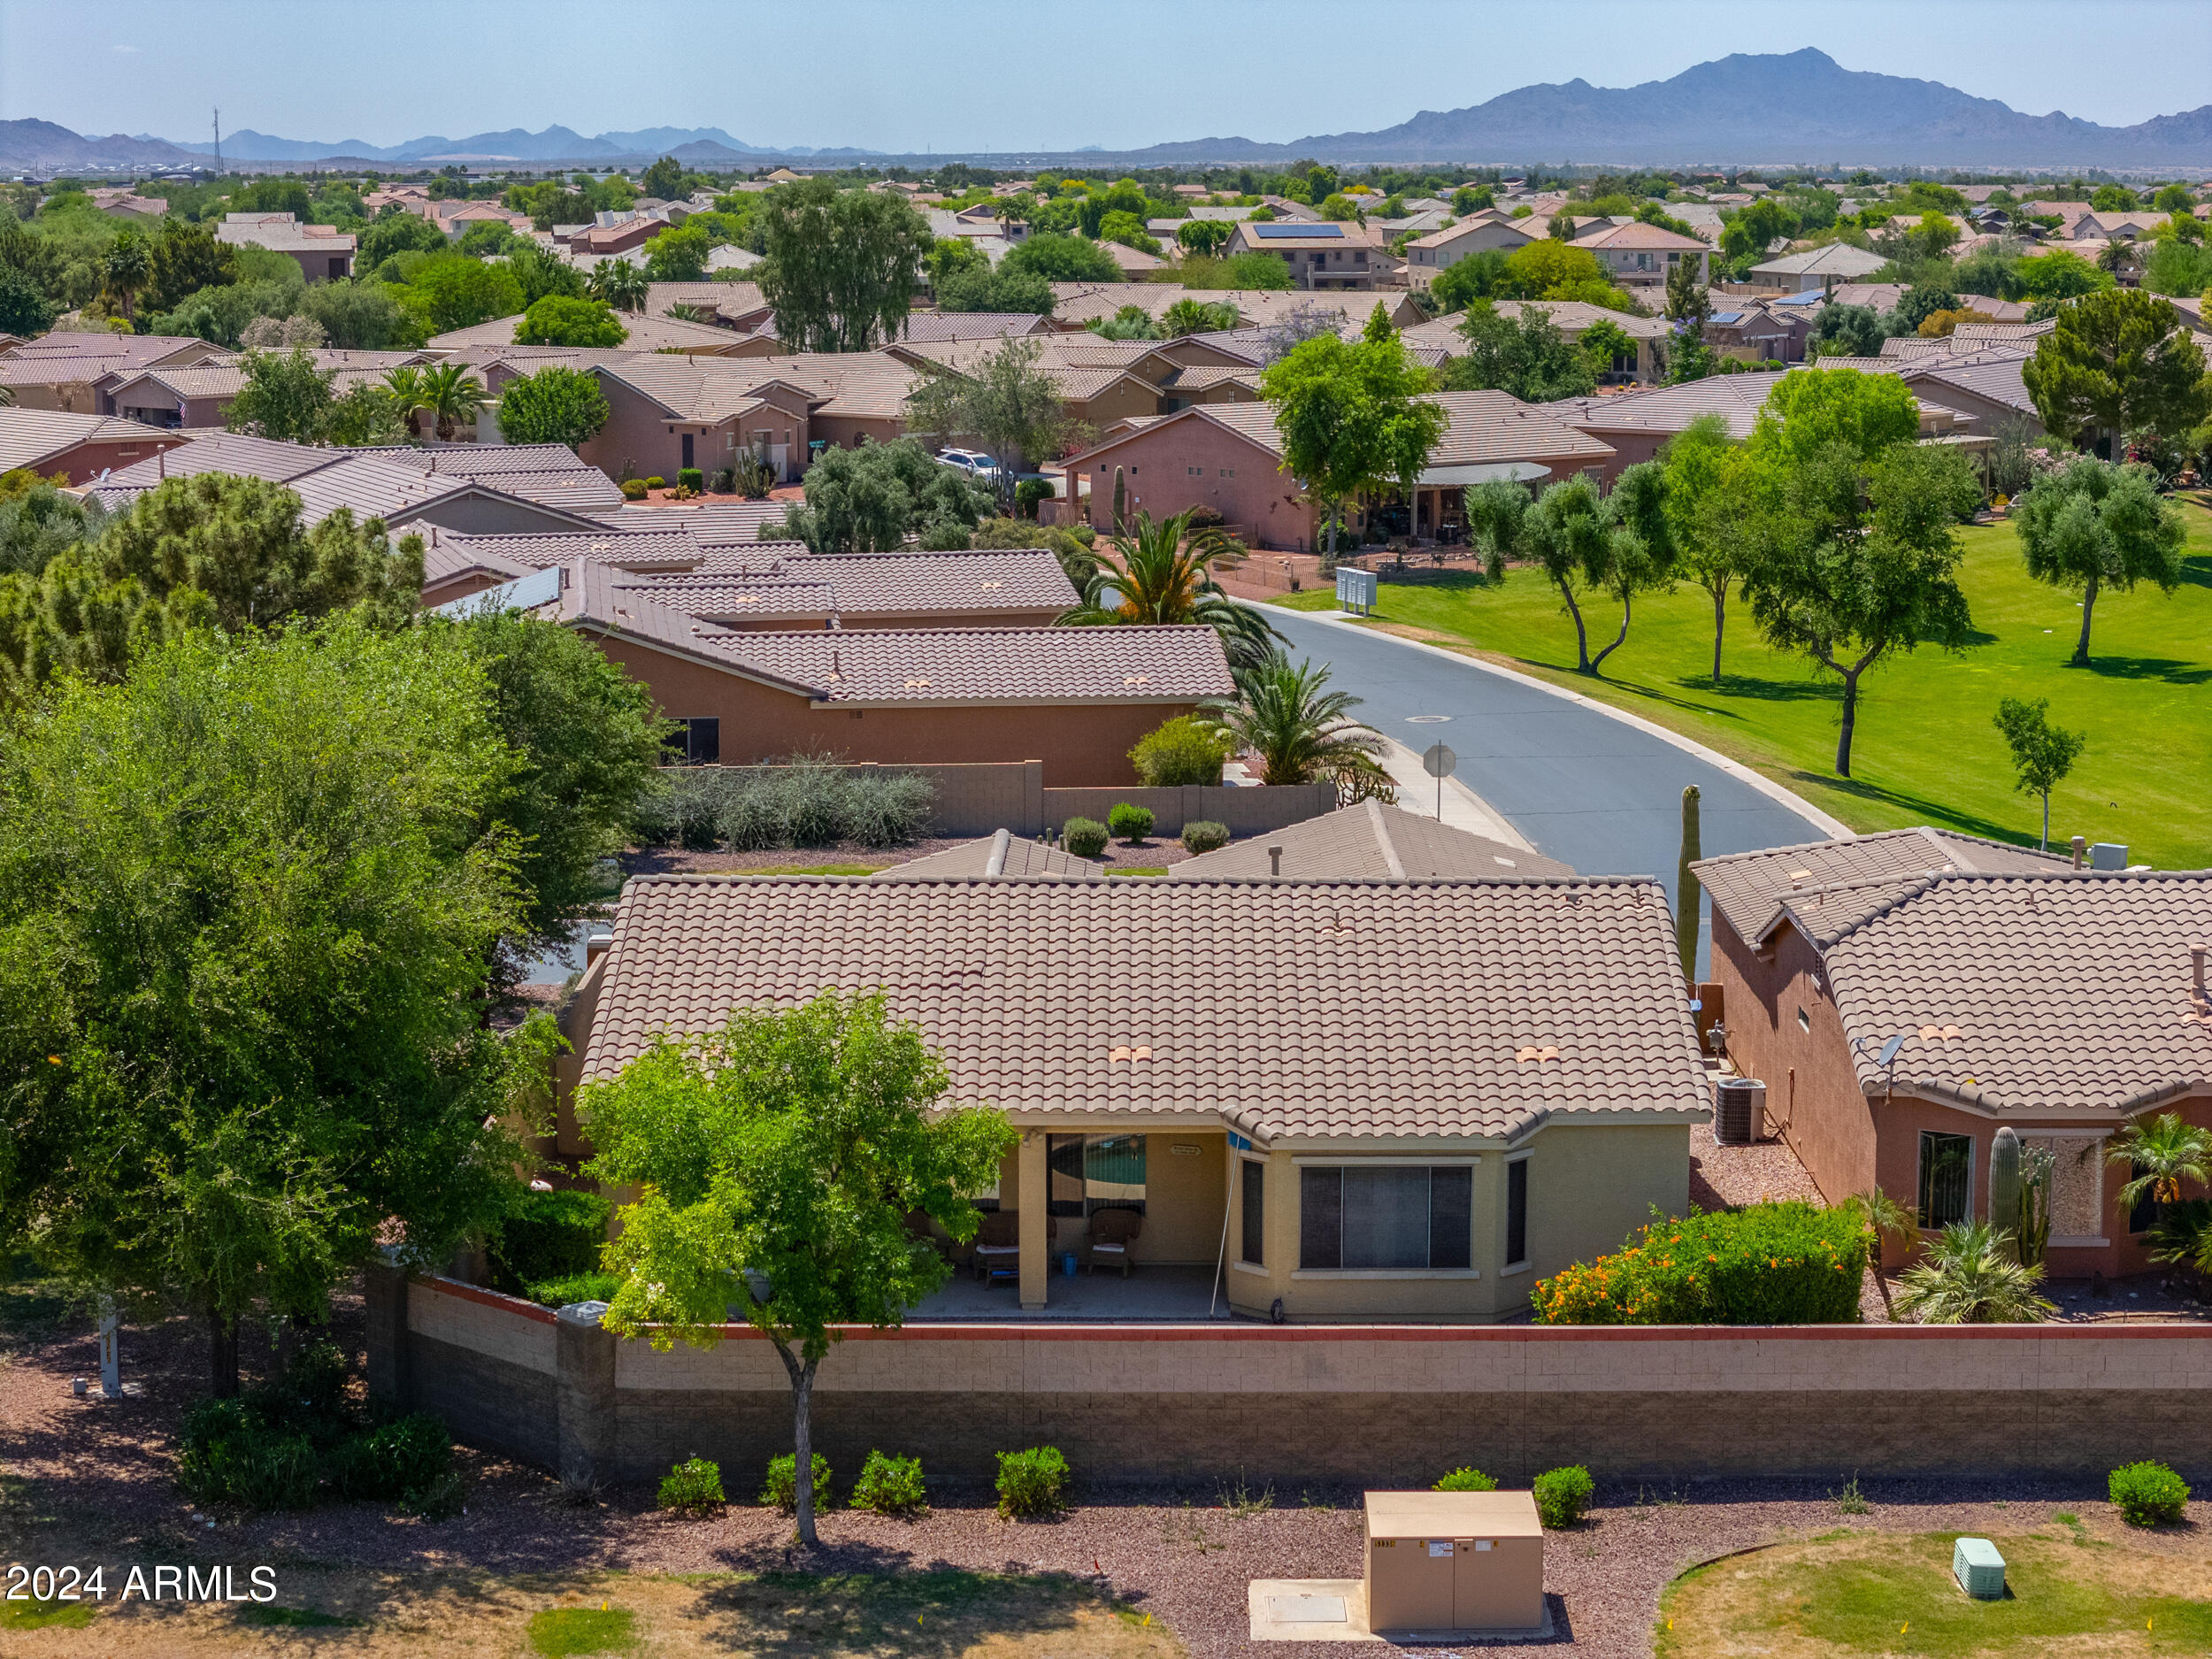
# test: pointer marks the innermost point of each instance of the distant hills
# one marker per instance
(1799, 107)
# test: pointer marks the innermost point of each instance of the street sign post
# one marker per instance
(1440, 763)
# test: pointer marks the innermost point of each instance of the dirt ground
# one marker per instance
(90, 1482)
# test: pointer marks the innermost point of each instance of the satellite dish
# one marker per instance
(1890, 1049)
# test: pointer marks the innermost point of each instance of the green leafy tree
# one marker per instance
(841, 265)
(2042, 753)
(1480, 275)
(1342, 408)
(559, 320)
(1617, 544)
(1161, 571)
(1128, 230)
(1847, 331)
(663, 180)
(1861, 560)
(558, 404)
(285, 397)
(358, 316)
(871, 499)
(246, 909)
(585, 744)
(456, 292)
(1921, 302)
(953, 256)
(1606, 344)
(1060, 258)
(1203, 236)
(24, 308)
(364, 413)
(1750, 231)
(128, 267)
(187, 258)
(986, 288)
(1004, 402)
(1523, 354)
(1302, 732)
(394, 232)
(1472, 198)
(779, 1159)
(679, 255)
(2096, 526)
(2060, 274)
(487, 236)
(2118, 361)
(1716, 513)
(1808, 413)
(539, 272)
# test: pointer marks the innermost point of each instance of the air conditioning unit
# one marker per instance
(1739, 1110)
(1979, 1569)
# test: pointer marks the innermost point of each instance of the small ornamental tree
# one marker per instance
(285, 397)
(2097, 525)
(2042, 753)
(560, 320)
(555, 405)
(779, 1159)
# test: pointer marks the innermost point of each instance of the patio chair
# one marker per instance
(1112, 1233)
(998, 1245)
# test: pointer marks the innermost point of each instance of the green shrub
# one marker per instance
(1466, 1480)
(656, 483)
(1178, 752)
(815, 800)
(1027, 493)
(1032, 1483)
(890, 1485)
(726, 481)
(1562, 1495)
(1085, 837)
(229, 1452)
(554, 1235)
(690, 477)
(2149, 1494)
(782, 1490)
(441, 1501)
(1131, 824)
(693, 1488)
(573, 1287)
(403, 1458)
(1203, 836)
(1779, 1263)
(634, 488)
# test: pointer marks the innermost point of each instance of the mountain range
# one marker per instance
(1743, 110)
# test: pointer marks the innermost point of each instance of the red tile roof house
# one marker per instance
(84, 446)
(1351, 1100)
(1228, 456)
(2063, 1003)
(1079, 698)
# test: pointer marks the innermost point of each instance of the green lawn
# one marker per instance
(1856, 1591)
(1925, 750)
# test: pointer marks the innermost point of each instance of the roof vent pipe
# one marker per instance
(1275, 862)
(2196, 968)
(2081, 849)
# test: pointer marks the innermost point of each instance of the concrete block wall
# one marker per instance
(1378, 1404)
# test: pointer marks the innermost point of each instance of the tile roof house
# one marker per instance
(2063, 1003)
(1441, 249)
(1637, 255)
(51, 443)
(75, 373)
(325, 253)
(1371, 843)
(1076, 304)
(1229, 457)
(1572, 318)
(1320, 254)
(1817, 268)
(1399, 1099)
(898, 695)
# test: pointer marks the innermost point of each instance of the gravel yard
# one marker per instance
(91, 1480)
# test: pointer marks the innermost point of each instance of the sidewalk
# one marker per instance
(1463, 809)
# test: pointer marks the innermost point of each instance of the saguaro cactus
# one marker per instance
(2004, 1181)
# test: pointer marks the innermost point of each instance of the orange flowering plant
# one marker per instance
(1779, 1263)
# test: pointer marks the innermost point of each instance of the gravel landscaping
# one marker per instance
(87, 1475)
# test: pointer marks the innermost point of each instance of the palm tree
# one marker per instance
(1970, 1276)
(619, 283)
(1303, 733)
(2167, 1152)
(405, 385)
(1883, 1218)
(1161, 573)
(453, 395)
(2182, 1236)
(128, 264)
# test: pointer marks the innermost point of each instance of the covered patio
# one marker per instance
(1148, 1295)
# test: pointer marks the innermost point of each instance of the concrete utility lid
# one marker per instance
(1452, 1515)
(1307, 1610)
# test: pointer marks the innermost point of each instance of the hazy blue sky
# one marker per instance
(1010, 74)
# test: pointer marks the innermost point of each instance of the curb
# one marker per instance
(1828, 826)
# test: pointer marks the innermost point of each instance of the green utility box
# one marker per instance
(1979, 1569)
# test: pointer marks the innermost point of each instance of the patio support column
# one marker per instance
(1031, 1200)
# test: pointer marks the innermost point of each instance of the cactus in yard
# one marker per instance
(1120, 500)
(2004, 1181)
(2038, 1165)
(1686, 888)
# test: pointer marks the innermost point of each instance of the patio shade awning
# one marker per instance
(1483, 473)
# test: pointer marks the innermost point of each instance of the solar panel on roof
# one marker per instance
(1727, 317)
(1273, 231)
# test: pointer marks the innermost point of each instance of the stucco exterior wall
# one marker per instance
(1194, 462)
(85, 461)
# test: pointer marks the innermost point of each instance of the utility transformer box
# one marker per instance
(1453, 1561)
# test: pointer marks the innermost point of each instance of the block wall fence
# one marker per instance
(1374, 1404)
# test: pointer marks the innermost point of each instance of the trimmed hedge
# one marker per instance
(1130, 824)
(805, 800)
(1033, 1482)
(555, 1236)
(1780, 1264)
(1084, 837)
(1183, 750)
(781, 1490)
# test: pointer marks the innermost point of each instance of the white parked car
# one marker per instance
(975, 463)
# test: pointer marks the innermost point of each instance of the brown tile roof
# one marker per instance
(710, 524)
(1004, 856)
(647, 334)
(971, 325)
(1748, 888)
(1639, 235)
(31, 437)
(1372, 842)
(898, 584)
(2049, 995)
(1325, 1010)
